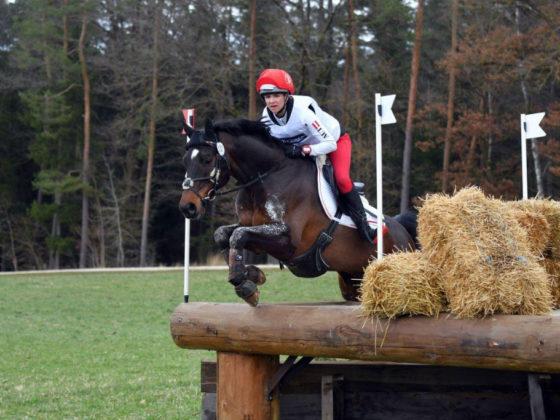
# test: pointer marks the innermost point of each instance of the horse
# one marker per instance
(278, 209)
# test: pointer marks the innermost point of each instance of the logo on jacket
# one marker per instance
(319, 129)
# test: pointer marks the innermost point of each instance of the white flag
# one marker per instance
(385, 111)
(532, 127)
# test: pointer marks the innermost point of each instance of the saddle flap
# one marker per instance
(328, 173)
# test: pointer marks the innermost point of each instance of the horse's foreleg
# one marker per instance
(221, 237)
(245, 279)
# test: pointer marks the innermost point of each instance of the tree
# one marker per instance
(87, 139)
(151, 146)
(405, 192)
(451, 97)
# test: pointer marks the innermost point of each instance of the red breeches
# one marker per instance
(340, 160)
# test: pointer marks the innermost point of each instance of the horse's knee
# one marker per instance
(222, 235)
(237, 239)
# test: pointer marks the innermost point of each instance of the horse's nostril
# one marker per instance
(189, 210)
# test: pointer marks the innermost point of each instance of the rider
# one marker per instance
(307, 130)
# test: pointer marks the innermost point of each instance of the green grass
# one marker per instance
(98, 345)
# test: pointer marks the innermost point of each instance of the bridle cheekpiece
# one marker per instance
(207, 139)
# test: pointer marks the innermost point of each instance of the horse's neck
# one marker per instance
(251, 157)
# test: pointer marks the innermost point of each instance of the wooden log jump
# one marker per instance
(249, 341)
(509, 342)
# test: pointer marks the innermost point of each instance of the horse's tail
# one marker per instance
(409, 220)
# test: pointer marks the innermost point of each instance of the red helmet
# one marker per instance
(275, 81)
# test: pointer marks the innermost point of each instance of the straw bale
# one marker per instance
(550, 209)
(553, 270)
(483, 253)
(535, 225)
(402, 283)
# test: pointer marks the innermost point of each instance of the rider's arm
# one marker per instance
(324, 141)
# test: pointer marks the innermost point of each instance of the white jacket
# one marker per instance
(304, 123)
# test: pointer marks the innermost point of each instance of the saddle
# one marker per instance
(311, 263)
(328, 173)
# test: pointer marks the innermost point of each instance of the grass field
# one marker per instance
(98, 345)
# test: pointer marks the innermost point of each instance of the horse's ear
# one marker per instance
(188, 129)
(209, 130)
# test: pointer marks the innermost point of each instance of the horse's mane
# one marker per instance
(247, 127)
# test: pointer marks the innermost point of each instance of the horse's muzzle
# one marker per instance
(189, 210)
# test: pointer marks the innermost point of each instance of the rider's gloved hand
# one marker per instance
(293, 151)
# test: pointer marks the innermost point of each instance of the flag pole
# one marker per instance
(530, 129)
(524, 158)
(188, 114)
(378, 176)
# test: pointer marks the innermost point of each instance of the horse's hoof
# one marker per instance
(249, 292)
(255, 275)
(254, 299)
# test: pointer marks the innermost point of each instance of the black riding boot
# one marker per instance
(353, 206)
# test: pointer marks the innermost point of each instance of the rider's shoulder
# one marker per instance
(302, 101)
(304, 106)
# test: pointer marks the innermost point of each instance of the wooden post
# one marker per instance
(242, 387)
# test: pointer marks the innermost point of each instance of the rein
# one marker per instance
(214, 177)
(259, 178)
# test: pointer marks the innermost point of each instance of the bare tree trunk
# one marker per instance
(151, 146)
(87, 131)
(354, 48)
(534, 144)
(120, 248)
(54, 255)
(12, 242)
(346, 89)
(405, 192)
(100, 228)
(451, 97)
(252, 59)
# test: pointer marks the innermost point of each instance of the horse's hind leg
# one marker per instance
(349, 287)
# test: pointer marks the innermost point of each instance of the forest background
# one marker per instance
(92, 92)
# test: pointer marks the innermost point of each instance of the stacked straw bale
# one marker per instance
(553, 270)
(402, 283)
(551, 211)
(486, 261)
(548, 236)
(536, 227)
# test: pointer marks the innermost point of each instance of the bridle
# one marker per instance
(216, 174)
(220, 160)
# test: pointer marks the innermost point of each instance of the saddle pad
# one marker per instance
(329, 204)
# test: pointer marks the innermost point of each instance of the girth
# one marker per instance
(311, 262)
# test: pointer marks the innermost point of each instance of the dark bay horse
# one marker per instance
(278, 209)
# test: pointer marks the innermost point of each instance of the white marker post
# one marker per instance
(383, 115)
(188, 114)
(530, 129)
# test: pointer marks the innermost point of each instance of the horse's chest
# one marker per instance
(271, 210)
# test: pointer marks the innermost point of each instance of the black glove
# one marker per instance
(293, 151)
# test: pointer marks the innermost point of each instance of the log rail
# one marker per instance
(509, 342)
(249, 341)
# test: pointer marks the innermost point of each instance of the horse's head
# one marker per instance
(207, 169)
